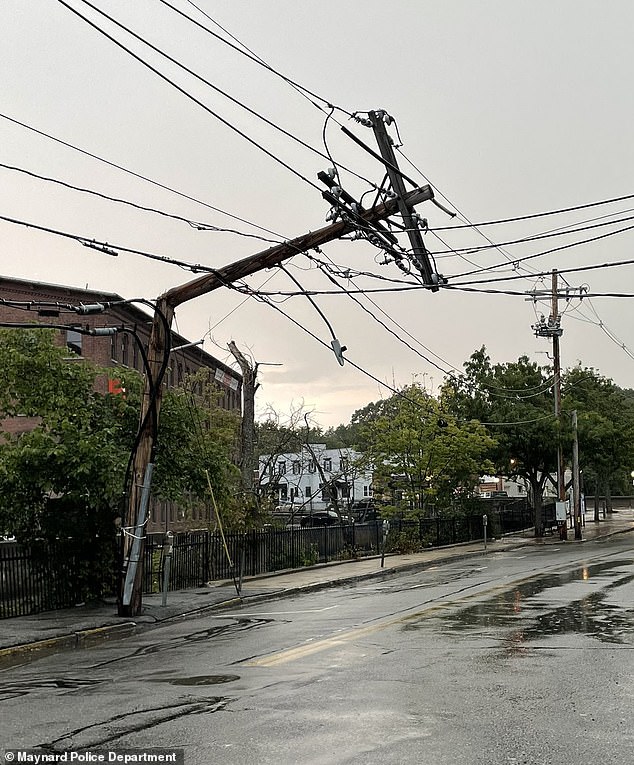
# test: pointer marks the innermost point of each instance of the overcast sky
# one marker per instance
(508, 108)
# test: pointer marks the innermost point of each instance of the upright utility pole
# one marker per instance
(576, 482)
(552, 329)
(557, 332)
(158, 348)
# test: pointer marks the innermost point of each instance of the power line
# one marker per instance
(606, 330)
(348, 292)
(110, 163)
(534, 237)
(188, 95)
(462, 215)
(393, 390)
(446, 372)
(524, 294)
(194, 224)
(248, 53)
(112, 249)
(531, 216)
(540, 254)
(214, 87)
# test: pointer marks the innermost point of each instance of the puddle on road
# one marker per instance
(203, 680)
(531, 617)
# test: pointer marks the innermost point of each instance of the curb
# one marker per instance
(324, 585)
(26, 652)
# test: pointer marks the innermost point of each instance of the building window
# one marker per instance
(325, 492)
(297, 467)
(125, 342)
(308, 492)
(74, 341)
(345, 491)
(311, 466)
(367, 491)
(293, 493)
(281, 467)
(114, 347)
(135, 354)
(343, 465)
(328, 464)
(283, 492)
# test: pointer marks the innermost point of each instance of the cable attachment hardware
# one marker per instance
(338, 350)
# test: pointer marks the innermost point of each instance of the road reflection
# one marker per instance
(547, 606)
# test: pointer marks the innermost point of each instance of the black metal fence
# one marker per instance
(199, 557)
(44, 577)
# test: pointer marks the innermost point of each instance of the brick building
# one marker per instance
(118, 350)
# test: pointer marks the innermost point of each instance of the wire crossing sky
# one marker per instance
(190, 134)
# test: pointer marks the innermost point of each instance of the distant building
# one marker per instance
(496, 486)
(519, 487)
(311, 479)
(116, 351)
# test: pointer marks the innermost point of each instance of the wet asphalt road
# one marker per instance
(515, 657)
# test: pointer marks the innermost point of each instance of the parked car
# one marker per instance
(323, 518)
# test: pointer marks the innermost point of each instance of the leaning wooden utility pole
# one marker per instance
(158, 349)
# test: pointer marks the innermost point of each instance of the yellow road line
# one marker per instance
(308, 649)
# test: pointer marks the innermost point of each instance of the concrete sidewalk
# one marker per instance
(23, 639)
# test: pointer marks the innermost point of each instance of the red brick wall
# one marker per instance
(100, 349)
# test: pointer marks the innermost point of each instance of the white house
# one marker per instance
(494, 485)
(310, 479)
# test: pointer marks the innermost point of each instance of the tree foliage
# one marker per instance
(65, 475)
(420, 450)
(515, 401)
(605, 415)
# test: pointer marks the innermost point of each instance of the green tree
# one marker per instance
(341, 436)
(605, 416)
(516, 403)
(64, 477)
(420, 450)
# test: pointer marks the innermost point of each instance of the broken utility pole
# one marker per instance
(410, 219)
(158, 350)
(247, 462)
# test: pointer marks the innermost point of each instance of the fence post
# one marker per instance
(167, 559)
(206, 556)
